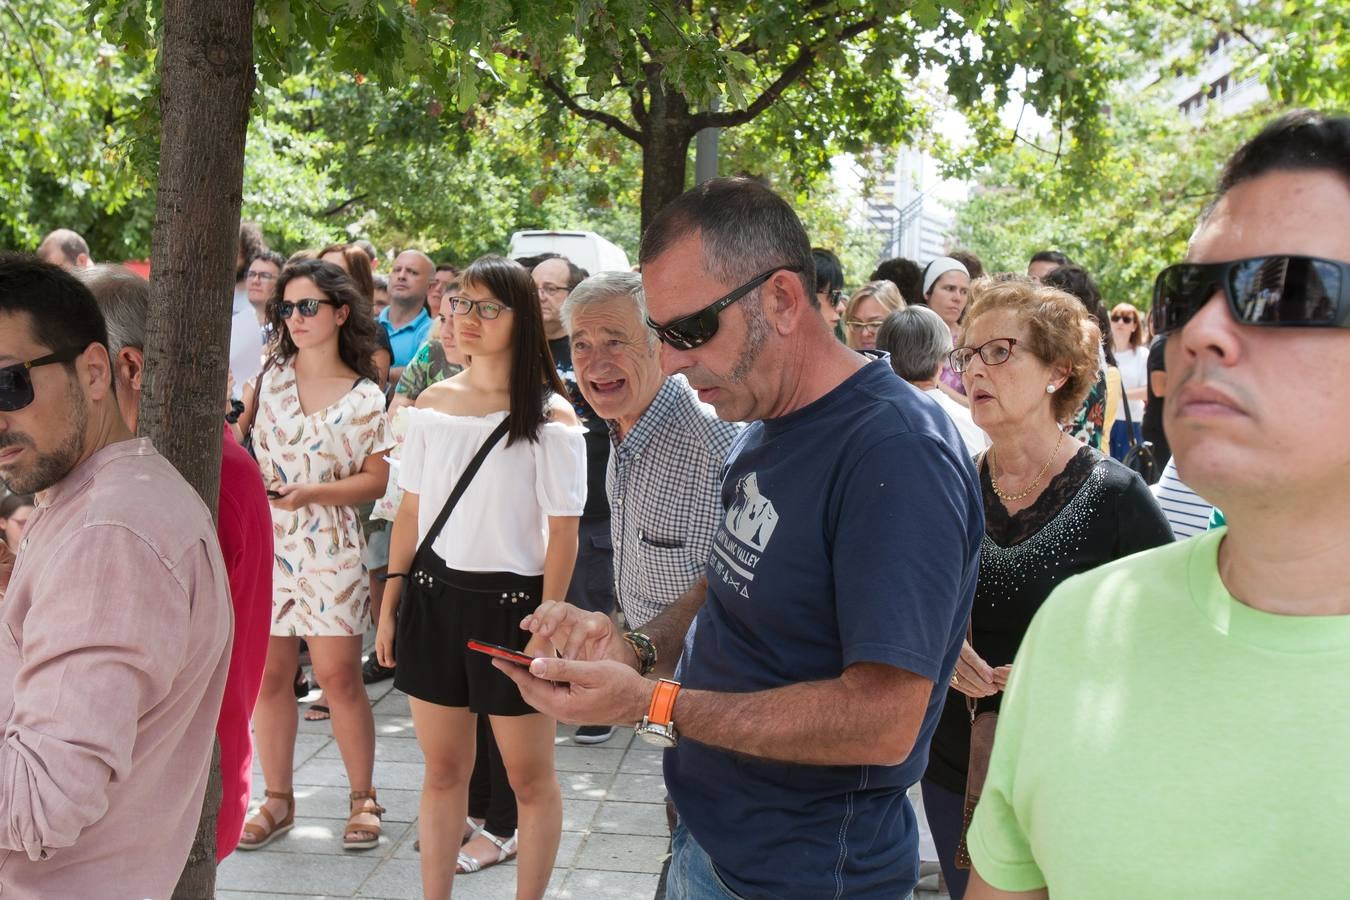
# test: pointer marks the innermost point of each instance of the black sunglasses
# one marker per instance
(1263, 290)
(16, 383)
(696, 329)
(308, 308)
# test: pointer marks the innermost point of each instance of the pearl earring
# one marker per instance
(1049, 388)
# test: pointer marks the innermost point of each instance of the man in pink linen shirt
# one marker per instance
(244, 525)
(116, 618)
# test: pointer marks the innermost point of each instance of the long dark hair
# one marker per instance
(533, 374)
(356, 336)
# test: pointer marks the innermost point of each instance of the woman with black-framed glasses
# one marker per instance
(1053, 507)
(473, 551)
(316, 422)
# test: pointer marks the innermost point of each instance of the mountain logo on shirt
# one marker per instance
(751, 517)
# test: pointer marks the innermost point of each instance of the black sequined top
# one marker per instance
(1093, 512)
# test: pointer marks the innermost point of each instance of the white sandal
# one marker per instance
(475, 829)
(506, 850)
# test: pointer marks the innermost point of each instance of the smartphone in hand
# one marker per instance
(497, 651)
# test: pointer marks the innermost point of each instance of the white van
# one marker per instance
(585, 248)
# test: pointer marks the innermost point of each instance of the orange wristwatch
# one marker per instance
(658, 726)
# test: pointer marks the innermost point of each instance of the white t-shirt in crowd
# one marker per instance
(1133, 366)
(246, 343)
(501, 522)
(976, 440)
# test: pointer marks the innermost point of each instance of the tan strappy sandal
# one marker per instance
(364, 819)
(263, 829)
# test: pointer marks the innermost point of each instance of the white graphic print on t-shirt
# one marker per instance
(748, 526)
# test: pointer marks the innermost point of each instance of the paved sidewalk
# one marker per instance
(614, 822)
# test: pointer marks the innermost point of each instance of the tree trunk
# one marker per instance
(206, 86)
(198, 880)
(665, 151)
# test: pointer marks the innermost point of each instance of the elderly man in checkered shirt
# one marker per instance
(664, 478)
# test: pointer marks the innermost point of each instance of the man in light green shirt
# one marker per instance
(1175, 722)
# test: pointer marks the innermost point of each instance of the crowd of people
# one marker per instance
(820, 546)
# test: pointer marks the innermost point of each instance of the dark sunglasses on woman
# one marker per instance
(16, 381)
(1289, 291)
(696, 329)
(308, 308)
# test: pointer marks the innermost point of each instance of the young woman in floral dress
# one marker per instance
(319, 434)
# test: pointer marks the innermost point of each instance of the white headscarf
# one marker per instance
(939, 267)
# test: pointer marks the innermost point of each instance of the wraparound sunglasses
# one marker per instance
(696, 329)
(1281, 291)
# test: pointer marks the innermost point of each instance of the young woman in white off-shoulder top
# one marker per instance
(509, 543)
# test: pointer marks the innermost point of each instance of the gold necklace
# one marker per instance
(1013, 498)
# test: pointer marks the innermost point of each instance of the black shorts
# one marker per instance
(441, 609)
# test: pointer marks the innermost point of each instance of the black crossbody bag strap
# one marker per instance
(462, 485)
(1129, 420)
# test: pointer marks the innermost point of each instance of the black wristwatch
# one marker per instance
(645, 650)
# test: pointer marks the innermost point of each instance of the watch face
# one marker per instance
(657, 738)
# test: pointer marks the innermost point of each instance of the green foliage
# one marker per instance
(1129, 214)
(1300, 49)
(816, 77)
(332, 154)
(1125, 202)
(70, 118)
(450, 123)
(332, 160)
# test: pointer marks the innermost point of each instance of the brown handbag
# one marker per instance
(982, 727)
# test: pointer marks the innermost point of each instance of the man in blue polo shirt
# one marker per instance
(406, 319)
(836, 594)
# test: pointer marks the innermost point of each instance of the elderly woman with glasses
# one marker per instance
(1053, 506)
(866, 310)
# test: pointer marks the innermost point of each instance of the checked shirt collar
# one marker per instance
(669, 399)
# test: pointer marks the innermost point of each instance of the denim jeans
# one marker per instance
(692, 875)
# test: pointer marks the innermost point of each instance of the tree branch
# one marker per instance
(345, 204)
(1223, 26)
(570, 102)
(594, 115)
(37, 63)
(748, 45)
(635, 104)
(806, 58)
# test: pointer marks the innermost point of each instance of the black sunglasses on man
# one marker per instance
(696, 329)
(16, 381)
(1289, 291)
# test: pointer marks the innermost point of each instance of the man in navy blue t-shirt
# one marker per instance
(836, 595)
